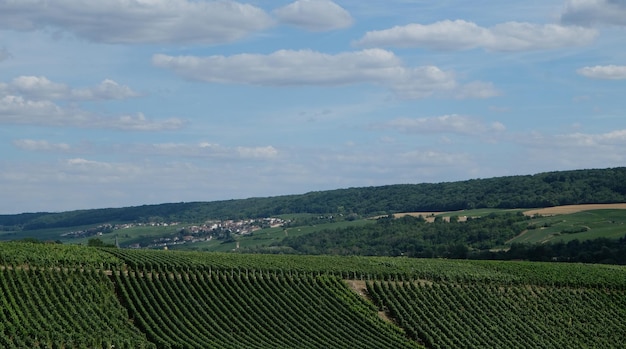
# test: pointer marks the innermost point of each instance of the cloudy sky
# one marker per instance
(126, 102)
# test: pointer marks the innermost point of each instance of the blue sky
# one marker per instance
(129, 102)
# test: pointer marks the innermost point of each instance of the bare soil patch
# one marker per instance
(567, 209)
(359, 287)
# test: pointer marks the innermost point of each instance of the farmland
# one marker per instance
(172, 299)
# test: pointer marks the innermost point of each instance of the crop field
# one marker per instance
(60, 296)
(584, 225)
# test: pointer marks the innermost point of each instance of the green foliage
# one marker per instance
(102, 297)
(540, 190)
(54, 255)
(605, 223)
(446, 315)
(240, 309)
(385, 268)
(45, 308)
(601, 250)
(413, 237)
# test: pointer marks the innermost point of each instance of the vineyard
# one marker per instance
(57, 296)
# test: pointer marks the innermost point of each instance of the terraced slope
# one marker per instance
(252, 310)
(76, 297)
(446, 315)
(60, 308)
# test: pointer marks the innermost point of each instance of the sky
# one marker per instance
(116, 103)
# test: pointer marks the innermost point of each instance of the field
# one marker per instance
(582, 225)
(59, 296)
(556, 224)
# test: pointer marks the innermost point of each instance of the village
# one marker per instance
(212, 229)
(225, 230)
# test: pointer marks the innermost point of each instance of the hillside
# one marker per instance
(527, 191)
(104, 298)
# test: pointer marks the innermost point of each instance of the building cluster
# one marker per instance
(108, 228)
(214, 229)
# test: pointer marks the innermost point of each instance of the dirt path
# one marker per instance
(359, 287)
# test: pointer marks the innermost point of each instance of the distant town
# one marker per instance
(226, 230)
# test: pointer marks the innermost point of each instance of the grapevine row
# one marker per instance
(445, 315)
(254, 310)
(63, 309)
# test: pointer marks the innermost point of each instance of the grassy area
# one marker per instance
(265, 237)
(584, 225)
(52, 234)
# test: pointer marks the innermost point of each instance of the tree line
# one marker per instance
(524, 191)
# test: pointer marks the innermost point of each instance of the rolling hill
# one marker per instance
(592, 186)
(67, 296)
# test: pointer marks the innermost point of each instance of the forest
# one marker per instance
(523, 191)
(413, 237)
(475, 238)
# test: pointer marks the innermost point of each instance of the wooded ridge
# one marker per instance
(523, 191)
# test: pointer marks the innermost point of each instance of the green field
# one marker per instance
(584, 225)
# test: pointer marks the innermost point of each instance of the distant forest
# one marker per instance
(527, 191)
(475, 238)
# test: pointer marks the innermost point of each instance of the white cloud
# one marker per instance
(453, 123)
(19, 110)
(137, 122)
(204, 150)
(306, 67)
(107, 89)
(609, 72)
(576, 150)
(613, 138)
(257, 152)
(41, 88)
(84, 170)
(464, 35)
(138, 21)
(40, 145)
(314, 15)
(592, 12)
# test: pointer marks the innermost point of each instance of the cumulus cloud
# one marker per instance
(19, 110)
(306, 67)
(32, 100)
(453, 123)
(41, 88)
(464, 35)
(129, 22)
(594, 12)
(608, 72)
(40, 145)
(314, 15)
